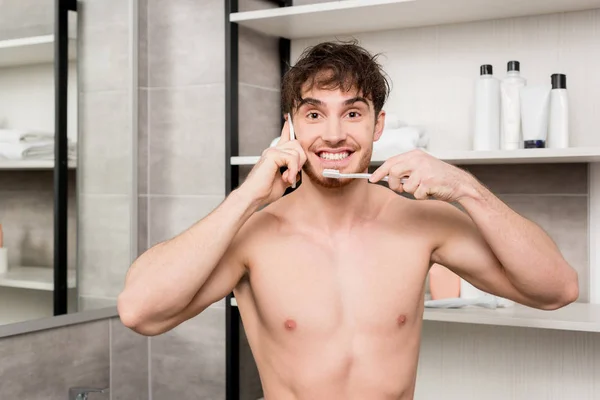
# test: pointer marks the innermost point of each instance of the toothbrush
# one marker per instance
(292, 137)
(334, 173)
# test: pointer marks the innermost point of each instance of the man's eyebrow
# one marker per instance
(311, 101)
(355, 99)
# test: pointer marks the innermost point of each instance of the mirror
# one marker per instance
(98, 214)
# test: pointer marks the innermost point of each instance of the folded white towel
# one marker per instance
(42, 150)
(24, 136)
(399, 140)
(393, 122)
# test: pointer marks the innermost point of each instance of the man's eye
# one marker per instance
(313, 115)
(353, 114)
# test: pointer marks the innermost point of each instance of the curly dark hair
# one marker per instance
(333, 65)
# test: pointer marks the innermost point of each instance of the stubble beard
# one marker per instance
(332, 183)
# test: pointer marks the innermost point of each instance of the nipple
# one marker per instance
(290, 324)
(401, 319)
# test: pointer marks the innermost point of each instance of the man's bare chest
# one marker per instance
(317, 285)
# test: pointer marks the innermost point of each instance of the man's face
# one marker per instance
(337, 130)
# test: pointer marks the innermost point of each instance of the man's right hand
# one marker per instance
(265, 183)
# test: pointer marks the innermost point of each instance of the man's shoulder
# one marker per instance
(262, 221)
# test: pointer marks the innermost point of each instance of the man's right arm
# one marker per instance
(177, 279)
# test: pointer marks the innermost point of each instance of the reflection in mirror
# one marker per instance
(100, 179)
(27, 133)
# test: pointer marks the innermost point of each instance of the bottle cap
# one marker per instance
(486, 69)
(513, 66)
(559, 81)
(534, 144)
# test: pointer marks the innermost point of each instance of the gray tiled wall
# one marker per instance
(22, 18)
(106, 156)
(129, 369)
(43, 365)
(181, 162)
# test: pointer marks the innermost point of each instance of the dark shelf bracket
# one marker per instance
(232, 316)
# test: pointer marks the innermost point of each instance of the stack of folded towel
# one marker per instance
(30, 145)
(397, 138)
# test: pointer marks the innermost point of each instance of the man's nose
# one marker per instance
(335, 132)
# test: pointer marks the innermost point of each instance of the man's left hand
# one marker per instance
(425, 177)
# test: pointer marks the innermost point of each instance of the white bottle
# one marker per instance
(510, 119)
(486, 135)
(558, 126)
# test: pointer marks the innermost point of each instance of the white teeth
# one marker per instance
(334, 156)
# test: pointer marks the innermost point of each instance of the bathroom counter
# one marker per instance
(574, 317)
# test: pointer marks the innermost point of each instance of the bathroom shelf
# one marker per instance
(37, 278)
(352, 16)
(31, 164)
(31, 50)
(521, 156)
(574, 317)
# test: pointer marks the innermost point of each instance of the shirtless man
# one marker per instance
(329, 279)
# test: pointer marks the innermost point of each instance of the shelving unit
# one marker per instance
(31, 50)
(574, 317)
(37, 278)
(34, 77)
(521, 156)
(350, 17)
(31, 164)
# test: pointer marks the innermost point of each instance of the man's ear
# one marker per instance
(379, 125)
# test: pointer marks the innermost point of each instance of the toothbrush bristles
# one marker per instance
(331, 173)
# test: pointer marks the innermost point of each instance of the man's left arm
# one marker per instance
(489, 245)
(501, 252)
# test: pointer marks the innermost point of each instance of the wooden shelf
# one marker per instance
(521, 156)
(37, 278)
(31, 50)
(31, 164)
(574, 317)
(352, 16)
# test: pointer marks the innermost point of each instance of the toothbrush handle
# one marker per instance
(367, 176)
(386, 178)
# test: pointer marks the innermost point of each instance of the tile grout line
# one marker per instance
(110, 359)
(543, 194)
(188, 196)
(260, 87)
(192, 86)
(149, 368)
(148, 133)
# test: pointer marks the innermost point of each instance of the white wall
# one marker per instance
(433, 69)
(475, 362)
(27, 98)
